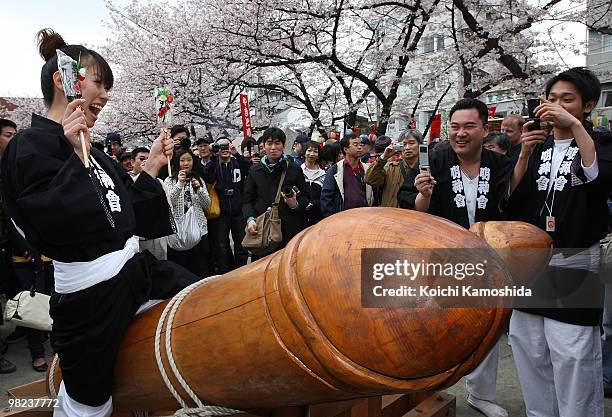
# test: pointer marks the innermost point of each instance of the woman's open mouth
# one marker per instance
(95, 109)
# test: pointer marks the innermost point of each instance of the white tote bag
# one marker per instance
(29, 309)
(188, 233)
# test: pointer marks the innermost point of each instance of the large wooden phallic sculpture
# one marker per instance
(289, 329)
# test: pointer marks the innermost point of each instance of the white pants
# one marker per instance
(558, 365)
(482, 382)
(71, 408)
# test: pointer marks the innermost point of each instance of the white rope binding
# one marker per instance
(52, 377)
(201, 410)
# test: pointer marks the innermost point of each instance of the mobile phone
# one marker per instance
(255, 149)
(532, 103)
(424, 154)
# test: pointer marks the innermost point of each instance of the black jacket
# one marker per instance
(581, 210)
(442, 204)
(64, 210)
(260, 190)
(229, 179)
(581, 220)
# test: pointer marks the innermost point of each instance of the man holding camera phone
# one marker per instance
(390, 175)
(227, 170)
(465, 183)
(561, 183)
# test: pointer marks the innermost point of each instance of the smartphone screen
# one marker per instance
(423, 155)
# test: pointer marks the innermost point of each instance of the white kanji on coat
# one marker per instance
(482, 202)
(105, 180)
(542, 183)
(485, 174)
(544, 168)
(564, 168)
(460, 200)
(457, 186)
(547, 155)
(560, 183)
(483, 187)
(455, 172)
(103, 177)
(114, 202)
(571, 153)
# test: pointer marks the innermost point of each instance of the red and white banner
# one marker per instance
(247, 129)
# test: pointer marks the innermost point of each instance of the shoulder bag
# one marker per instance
(269, 235)
(29, 309)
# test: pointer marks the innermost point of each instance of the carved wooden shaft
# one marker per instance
(289, 329)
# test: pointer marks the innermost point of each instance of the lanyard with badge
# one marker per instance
(560, 181)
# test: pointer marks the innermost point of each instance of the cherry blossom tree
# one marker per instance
(20, 109)
(329, 58)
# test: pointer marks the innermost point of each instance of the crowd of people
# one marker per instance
(59, 220)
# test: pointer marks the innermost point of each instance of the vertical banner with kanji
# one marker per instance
(247, 129)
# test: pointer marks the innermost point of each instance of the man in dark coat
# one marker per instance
(228, 171)
(263, 182)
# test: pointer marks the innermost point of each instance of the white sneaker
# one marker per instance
(488, 408)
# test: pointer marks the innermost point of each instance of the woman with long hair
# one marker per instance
(187, 191)
(86, 219)
(314, 176)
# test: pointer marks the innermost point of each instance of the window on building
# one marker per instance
(606, 98)
(425, 116)
(413, 87)
(439, 43)
(428, 44)
(606, 43)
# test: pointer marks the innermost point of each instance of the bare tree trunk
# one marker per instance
(385, 115)
(350, 120)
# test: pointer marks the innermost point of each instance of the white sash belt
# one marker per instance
(76, 276)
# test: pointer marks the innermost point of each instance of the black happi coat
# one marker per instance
(580, 210)
(442, 203)
(61, 208)
(581, 220)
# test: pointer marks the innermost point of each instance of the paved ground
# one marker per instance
(508, 389)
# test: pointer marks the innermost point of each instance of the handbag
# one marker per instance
(188, 233)
(214, 208)
(29, 309)
(269, 235)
